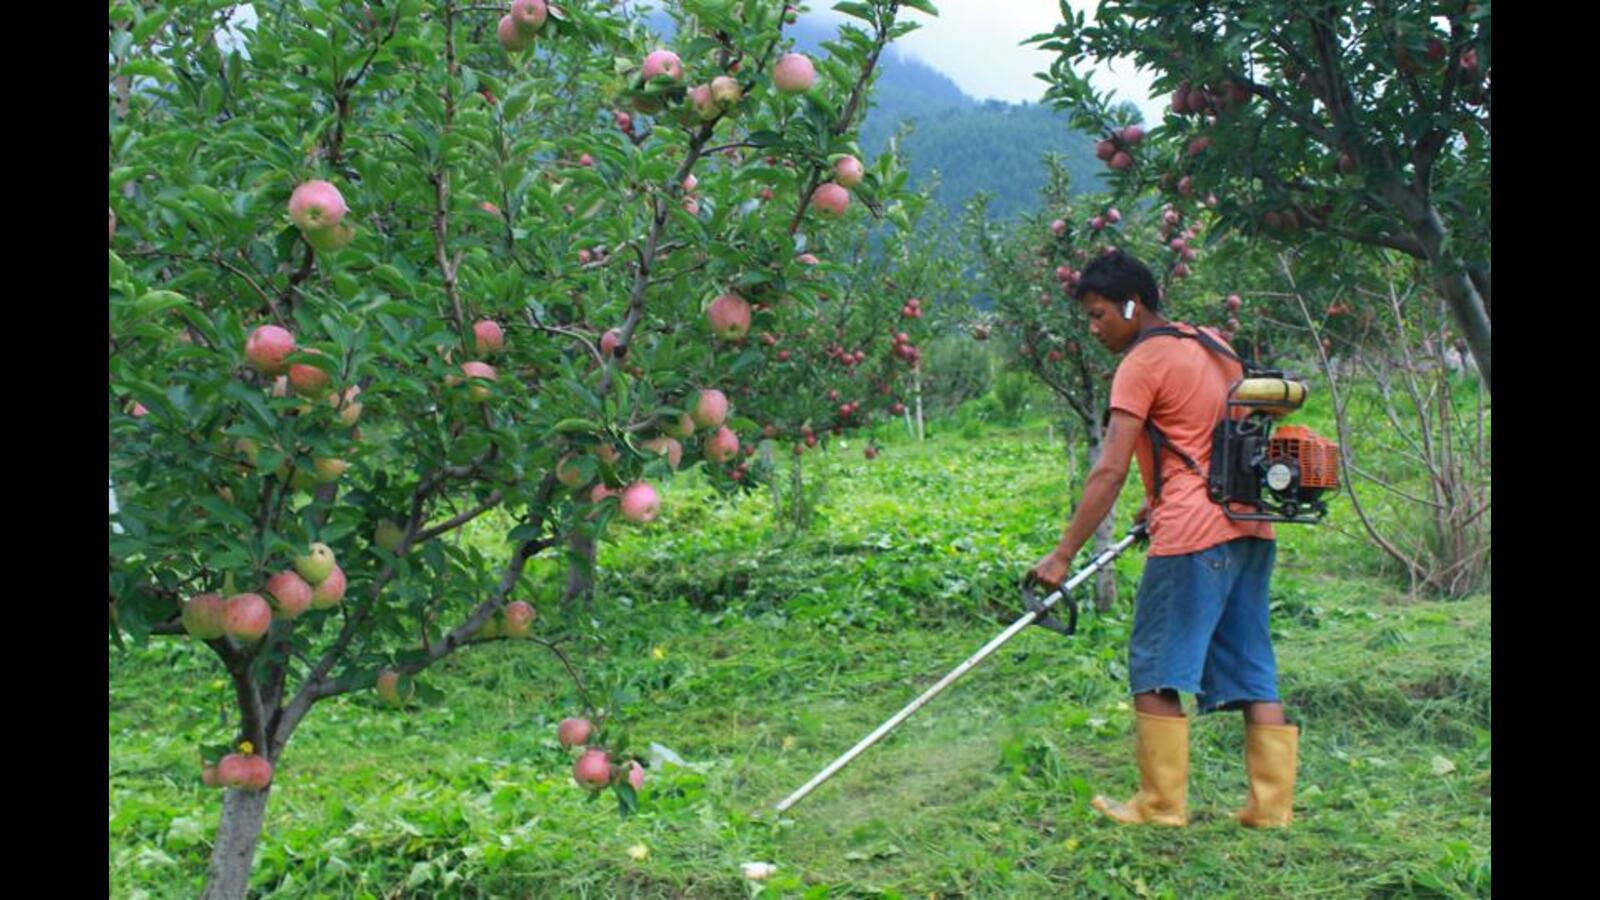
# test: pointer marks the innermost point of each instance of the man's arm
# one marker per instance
(1099, 497)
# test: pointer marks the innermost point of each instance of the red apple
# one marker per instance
(662, 62)
(479, 393)
(511, 39)
(205, 617)
(593, 769)
(316, 206)
(831, 199)
(1121, 162)
(668, 447)
(640, 502)
(848, 171)
(247, 617)
(794, 73)
(519, 618)
(572, 732)
(722, 445)
(729, 315)
(488, 337)
(710, 408)
(290, 594)
(267, 346)
(328, 594)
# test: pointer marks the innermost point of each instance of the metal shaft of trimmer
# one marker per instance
(1099, 562)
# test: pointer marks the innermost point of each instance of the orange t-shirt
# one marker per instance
(1183, 387)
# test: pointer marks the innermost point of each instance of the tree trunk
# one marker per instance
(580, 569)
(228, 877)
(922, 432)
(1463, 288)
(772, 481)
(1105, 580)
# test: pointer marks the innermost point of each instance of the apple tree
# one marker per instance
(1321, 126)
(378, 270)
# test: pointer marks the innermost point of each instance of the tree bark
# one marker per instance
(1462, 287)
(1105, 580)
(228, 876)
(580, 569)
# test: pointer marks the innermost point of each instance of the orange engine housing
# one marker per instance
(1316, 456)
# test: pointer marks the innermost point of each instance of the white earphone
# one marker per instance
(1127, 310)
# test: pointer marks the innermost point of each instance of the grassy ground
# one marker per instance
(759, 657)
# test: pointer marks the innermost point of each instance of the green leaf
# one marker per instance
(861, 11)
(158, 301)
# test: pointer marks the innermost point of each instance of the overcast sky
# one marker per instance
(976, 43)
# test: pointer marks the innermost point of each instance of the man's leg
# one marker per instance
(1159, 703)
(1176, 610)
(1241, 671)
(1263, 714)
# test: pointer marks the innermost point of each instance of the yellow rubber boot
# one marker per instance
(1163, 754)
(1270, 756)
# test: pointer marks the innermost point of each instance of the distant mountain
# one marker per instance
(970, 145)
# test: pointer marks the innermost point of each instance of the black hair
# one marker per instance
(1119, 277)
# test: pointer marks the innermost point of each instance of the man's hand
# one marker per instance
(1052, 570)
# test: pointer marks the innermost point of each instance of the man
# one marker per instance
(1200, 619)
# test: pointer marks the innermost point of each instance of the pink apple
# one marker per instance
(1199, 145)
(848, 171)
(247, 616)
(586, 161)
(572, 732)
(328, 594)
(1233, 303)
(479, 393)
(528, 16)
(1113, 215)
(705, 107)
(1097, 223)
(335, 237)
(205, 617)
(519, 618)
(663, 62)
(722, 446)
(635, 774)
(807, 259)
(592, 770)
(234, 770)
(1105, 150)
(668, 447)
(609, 341)
(511, 39)
(794, 73)
(290, 594)
(309, 381)
(267, 346)
(316, 205)
(1058, 227)
(710, 408)
(681, 427)
(488, 337)
(1186, 186)
(1121, 162)
(726, 91)
(1132, 135)
(729, 315)
(640, 502)
(831, 199)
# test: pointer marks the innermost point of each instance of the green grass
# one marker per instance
(777, 653)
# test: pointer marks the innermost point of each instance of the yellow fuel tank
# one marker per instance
(1273, 396)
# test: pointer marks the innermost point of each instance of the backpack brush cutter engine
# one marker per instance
(1282, 477)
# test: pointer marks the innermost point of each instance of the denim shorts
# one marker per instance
(1200, 625)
